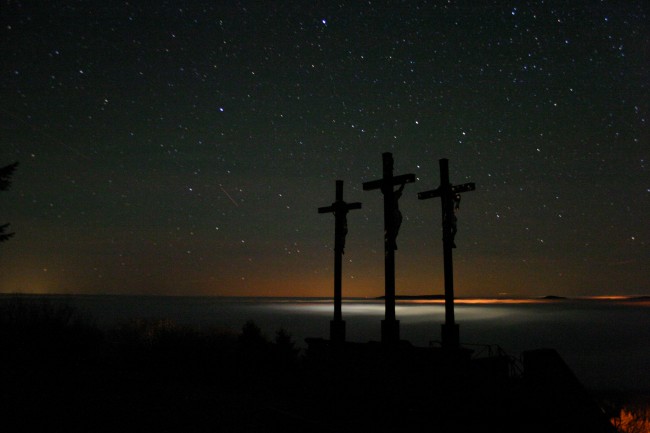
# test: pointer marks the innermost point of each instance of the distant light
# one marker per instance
(324, 21)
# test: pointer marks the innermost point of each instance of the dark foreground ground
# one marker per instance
(61, 373)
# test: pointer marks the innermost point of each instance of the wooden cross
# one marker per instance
(392, 220)
(450, 196)
(340, 210)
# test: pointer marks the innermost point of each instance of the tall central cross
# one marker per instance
(340, 210)
(450, 197)
(392, 221)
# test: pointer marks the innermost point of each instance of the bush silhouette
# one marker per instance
(36, 330)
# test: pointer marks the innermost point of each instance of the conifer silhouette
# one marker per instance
(5, 182)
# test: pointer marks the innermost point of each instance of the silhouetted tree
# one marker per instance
(285, 348)
(251, 335)
(5, 183)
(283, 338)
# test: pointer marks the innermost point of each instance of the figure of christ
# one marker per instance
(454, 219)
(397, 219)
(341, 216)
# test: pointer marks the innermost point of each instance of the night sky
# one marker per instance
(183, 148)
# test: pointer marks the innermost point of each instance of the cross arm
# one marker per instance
(335, 206)
(455, 189)
(463, 188)
(395, 180)
(429, 194)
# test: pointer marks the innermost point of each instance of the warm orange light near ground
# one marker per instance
(477, 301)
(633, 420)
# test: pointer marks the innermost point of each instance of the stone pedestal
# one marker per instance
(390, 331)
(450, 336)
(337, 331)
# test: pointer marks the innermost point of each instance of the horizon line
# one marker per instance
(431, 298)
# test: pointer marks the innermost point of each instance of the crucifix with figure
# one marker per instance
(392, 222)
(450, 197)
(340, 210)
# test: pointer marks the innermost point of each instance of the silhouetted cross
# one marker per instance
(340, 210)
(450, 197)
(392, 221)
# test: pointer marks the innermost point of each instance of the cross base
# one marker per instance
(337, 331)
(390, 331)
(450, 336)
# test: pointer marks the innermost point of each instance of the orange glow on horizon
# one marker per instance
(478, 301)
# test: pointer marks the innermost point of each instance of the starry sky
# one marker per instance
(183, 148)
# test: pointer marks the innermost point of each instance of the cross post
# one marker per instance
(392, 220)
(340, 209)
(449, 196)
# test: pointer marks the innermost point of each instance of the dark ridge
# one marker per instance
(553, 297)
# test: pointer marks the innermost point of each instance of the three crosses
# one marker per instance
(449, 195)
